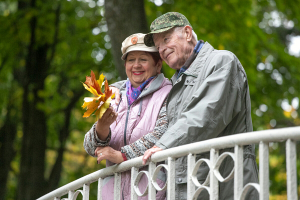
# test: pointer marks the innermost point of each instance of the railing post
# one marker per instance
(264, 170)
(117, 186)
(190, 184)
(238, 171)
(86, 191)
(99, 192)
(134, 173)
(171, 179)
(291, 169)
(151, 189)
(213, 182)
(70, 194)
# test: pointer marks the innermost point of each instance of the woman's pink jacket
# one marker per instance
(132, 123)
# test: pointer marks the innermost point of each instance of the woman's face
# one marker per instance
(140, 66)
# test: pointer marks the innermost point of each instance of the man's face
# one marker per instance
(173, 47)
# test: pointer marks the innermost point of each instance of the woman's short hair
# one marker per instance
(155, 55)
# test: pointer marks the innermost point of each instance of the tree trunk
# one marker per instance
(123, 19)
(32, 183)
(7, 135)
(31, 180)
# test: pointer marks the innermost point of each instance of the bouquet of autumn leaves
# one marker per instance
(101, 101)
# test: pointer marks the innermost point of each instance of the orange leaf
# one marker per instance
(92, 82)
(108, 92)
(88, 81)
(95, 83)
(91, 107)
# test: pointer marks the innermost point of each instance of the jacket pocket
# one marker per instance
(190, 81)
(191, 84)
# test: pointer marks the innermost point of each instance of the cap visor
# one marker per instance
(162, 30)
(148, 40)
(139, 48)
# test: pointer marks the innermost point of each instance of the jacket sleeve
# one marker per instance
(212, 107)
(146, 142)
(92, 141)
(118, 84)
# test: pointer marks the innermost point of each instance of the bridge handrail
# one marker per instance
(242, 139)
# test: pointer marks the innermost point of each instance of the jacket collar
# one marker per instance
(153, 86)
(199, 62)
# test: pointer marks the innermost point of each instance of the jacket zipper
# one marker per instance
(119, 102)
(126, 122)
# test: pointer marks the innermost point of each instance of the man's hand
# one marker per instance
(149, 152)
(108, 153)
(117, 94)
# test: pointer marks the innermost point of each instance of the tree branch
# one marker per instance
(64, 133)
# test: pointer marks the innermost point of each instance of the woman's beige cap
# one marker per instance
(135, 42)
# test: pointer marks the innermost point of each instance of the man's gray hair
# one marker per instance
(194, 35)
(179, 28)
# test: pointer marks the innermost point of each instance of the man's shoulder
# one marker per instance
(221, 60)
(211, 52)
(226, 60)
(222, 55)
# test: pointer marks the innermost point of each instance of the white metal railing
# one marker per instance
(263, 138)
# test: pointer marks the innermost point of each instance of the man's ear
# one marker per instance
(188, 33)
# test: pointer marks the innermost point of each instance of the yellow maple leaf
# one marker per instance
(103, 108)
(101, 100)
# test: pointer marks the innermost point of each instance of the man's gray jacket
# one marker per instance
(210, 99)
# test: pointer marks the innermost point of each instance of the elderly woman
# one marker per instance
(127, 130)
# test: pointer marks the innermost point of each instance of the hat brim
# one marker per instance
(139, 48)
(148, 39)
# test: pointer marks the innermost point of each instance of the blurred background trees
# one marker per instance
(48, 47)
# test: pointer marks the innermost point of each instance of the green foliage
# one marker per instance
(76, 51)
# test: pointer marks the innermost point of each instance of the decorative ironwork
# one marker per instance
(194, 187)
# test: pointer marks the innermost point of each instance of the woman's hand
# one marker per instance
(102, 127)
(117, 94)
(149, 153)
(108, 153)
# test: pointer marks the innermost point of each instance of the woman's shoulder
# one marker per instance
(164, 89)
(167, 84)
(163, 81)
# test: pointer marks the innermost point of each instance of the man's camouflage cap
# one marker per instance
(164, 23)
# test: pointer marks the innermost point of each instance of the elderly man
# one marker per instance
(209, 98)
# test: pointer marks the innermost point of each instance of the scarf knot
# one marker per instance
(134, 93)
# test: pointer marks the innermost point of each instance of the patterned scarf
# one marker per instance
(133, 93)
(189, 61)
